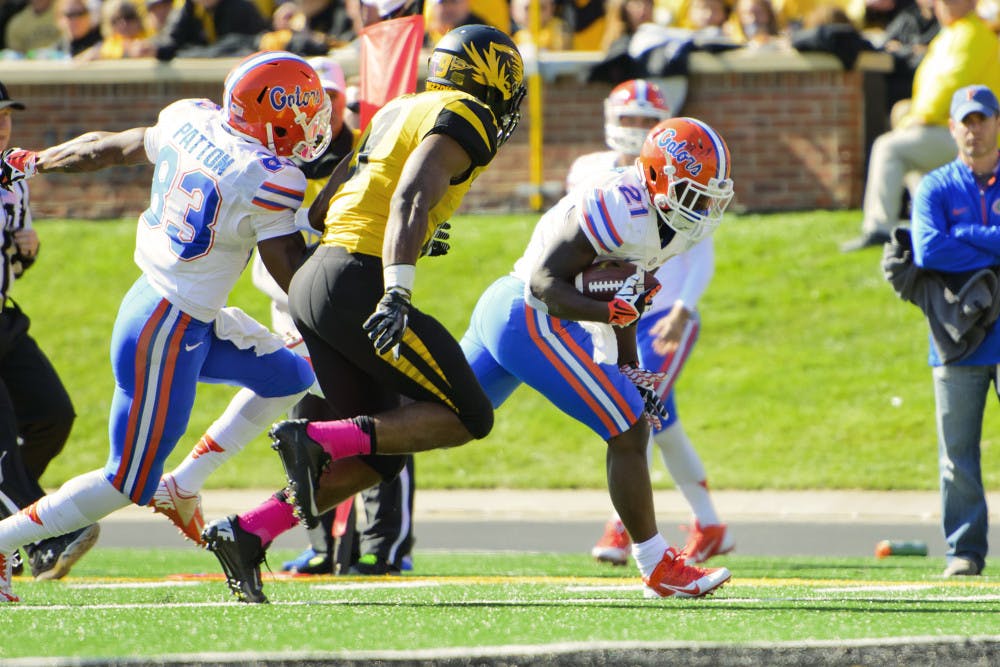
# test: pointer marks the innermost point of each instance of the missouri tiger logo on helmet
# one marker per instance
(277, 99)
(685, 166)
(484, 62)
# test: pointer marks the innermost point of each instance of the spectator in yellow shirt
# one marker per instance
(553, 35)
(965, 52)
(124, 32)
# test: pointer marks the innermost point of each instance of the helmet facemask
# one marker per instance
(626, 138)
(692, 208)
(510, 116)
(630, 111)
(316, 131)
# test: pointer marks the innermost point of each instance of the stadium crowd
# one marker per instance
(164, 29)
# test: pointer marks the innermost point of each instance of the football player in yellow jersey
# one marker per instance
(372, 350)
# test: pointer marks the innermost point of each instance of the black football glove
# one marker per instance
(386, 325)
(16, 165)
(438, 245)
(646, 382)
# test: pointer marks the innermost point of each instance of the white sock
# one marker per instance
(80, 502)
(246, 416)
(688, 472)
(648, 554)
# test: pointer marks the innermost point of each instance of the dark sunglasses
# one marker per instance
(75, 13)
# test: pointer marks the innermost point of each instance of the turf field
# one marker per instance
(809, 373)
(121, 603)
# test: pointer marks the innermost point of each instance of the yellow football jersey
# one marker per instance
(358, 213)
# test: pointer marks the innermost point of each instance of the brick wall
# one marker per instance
(794, 126)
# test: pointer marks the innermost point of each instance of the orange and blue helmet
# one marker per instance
(276, 98)
(685, 165)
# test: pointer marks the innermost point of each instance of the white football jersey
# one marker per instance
(684, 277)
(587, 166)
(614, 212)
(215, 195)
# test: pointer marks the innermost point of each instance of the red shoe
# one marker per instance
(6, 591)
(614, 545)
(673, 578)
(706, 541)
(182, 509)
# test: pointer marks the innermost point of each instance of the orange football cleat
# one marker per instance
(673, 578)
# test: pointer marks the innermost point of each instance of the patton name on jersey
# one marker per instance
(214, 196)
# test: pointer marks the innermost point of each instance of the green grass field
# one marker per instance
(810, 373)
(122, 603)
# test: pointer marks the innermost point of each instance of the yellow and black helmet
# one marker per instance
(484, 62)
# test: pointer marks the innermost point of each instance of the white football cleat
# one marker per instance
(183, 509)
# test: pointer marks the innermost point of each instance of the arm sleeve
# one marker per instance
(599, 215)
(151, 142)
(983, 237)
(470, 124)
(276, 200)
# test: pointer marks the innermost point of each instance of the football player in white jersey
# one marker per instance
(223, 185)
(666, 332)
(534, 327)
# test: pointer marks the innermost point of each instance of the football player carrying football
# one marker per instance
(370, 346)
(667, 331)
(535, 327)
(223, 185)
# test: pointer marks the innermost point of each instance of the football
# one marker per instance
(602, 279)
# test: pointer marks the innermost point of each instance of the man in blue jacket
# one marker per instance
(956, 231)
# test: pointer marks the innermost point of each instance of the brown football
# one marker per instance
(602, 279)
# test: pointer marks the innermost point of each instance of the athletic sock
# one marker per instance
(79, 502)
(269, 519)
(246, 416)
(344, 437)
(688, 472)
(648, 554)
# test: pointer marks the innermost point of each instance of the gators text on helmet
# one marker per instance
(276, 98)
(685, 165)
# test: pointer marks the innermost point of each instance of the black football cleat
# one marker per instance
(240, 553)
(304, 461)
(53, 557)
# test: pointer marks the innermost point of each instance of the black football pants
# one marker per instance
(34, 407)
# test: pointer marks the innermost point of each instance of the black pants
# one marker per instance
(34, 407)
(330, 298)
